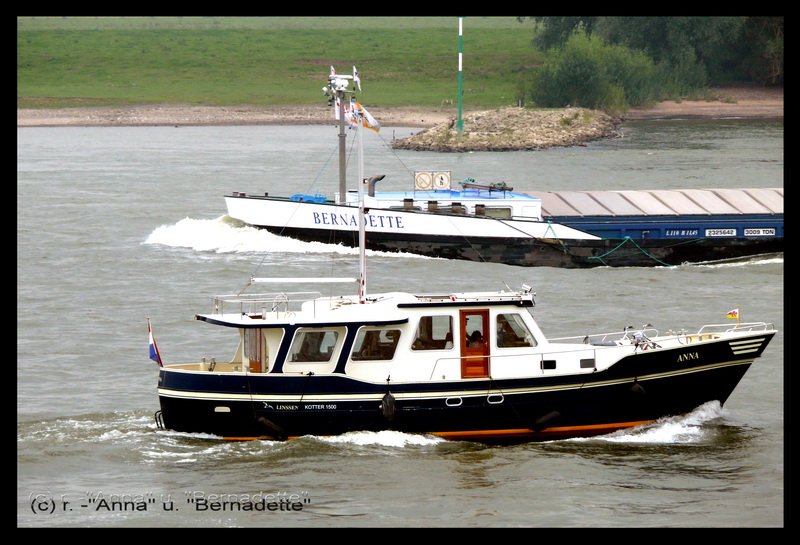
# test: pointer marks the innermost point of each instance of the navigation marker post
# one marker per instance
(460, 124)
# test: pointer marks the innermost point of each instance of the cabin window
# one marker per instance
(473, 326)
(313, 345)
(498, 212)
(375, 344)
(434, 333)
(512, 332)
(548, 364)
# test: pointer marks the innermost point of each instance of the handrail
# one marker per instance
(531, 358)
(261, 303)
(625, 335)
(746, 326)
(628, 335)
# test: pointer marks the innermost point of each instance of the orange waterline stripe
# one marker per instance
(558, 430)
(500, 433)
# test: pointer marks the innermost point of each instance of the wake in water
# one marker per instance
(227, 235)
(137, 433)
(94, 427)
(765, 259)
(386, 438)
(689, 428)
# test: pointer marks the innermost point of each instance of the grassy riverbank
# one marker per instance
(266, 61)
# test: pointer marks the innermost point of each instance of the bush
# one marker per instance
(683, 76)
(589, 73)
(633, 72)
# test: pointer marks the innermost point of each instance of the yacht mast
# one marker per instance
(337, 90)
(362, 224)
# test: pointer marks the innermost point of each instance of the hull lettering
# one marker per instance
(759, 232)
(720, 232)
(349, 220)
(682, 232)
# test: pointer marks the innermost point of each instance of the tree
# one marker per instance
(555, 31)
(696, 48)
(763, 58)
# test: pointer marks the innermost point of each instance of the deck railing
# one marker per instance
(745, 326)
(264, 304)
(613, 337)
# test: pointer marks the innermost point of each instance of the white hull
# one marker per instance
(283, 213)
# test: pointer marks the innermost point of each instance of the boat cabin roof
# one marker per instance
(282, 309)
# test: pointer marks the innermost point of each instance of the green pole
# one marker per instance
(460, 76)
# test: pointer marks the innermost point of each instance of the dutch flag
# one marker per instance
(155, 355)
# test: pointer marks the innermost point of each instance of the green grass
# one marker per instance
(403, 61)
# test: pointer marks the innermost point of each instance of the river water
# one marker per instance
(117, 225)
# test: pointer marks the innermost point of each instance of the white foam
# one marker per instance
(226, 235)
(118, 434)
(672, 430)
(84, 428)
(385, 438)
(165, 454)
(188, 435)
(772, 260)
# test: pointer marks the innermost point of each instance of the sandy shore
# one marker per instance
(734, 102)
(176, 114)
(754, 102)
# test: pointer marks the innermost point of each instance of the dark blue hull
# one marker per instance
(723, 226)
(527, 252)
(639, 389)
